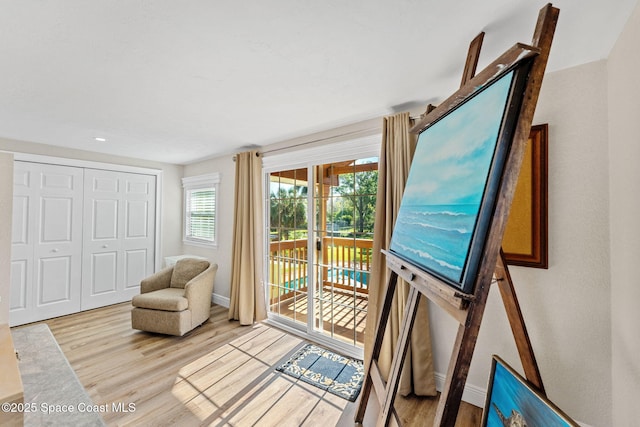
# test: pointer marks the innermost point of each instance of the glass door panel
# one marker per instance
(344, 202)
(320, 243)
(288, 245)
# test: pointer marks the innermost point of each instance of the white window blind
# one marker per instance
(201, 214)
(200, 209)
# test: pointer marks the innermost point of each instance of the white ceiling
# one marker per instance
(177, 81)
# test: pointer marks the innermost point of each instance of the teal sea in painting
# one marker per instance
(438, 233)
(510, 398)
(439, 210)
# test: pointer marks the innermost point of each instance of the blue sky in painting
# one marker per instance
(453, 156)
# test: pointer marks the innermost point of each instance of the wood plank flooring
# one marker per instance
(220, 374)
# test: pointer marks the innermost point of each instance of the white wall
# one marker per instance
(222, 254)
(624, 158)
(6, 204)
(567, 307)
(171, 188)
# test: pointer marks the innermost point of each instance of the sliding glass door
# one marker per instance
(288, 254)
(320, 221)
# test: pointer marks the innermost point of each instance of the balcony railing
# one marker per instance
(344, 263)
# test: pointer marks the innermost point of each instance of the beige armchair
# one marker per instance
(176, 299)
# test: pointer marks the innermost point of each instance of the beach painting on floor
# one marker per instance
(452, 184)
(511, 401)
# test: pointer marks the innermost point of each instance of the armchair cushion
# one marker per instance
(168, 299)
(186, 269)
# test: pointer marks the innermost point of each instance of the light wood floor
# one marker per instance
(220, 374)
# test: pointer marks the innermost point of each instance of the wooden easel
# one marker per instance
(467, 309)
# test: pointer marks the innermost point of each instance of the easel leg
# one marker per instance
(516, 320)
(451, 396)
(382, 323)
(410, 312)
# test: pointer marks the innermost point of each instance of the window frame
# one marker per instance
(200, 182)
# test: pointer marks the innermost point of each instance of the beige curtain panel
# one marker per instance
(247, 291)
(397, 150)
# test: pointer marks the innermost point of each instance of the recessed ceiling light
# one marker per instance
(100, 139)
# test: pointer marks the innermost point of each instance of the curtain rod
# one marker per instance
(352, 133)
(365, 132)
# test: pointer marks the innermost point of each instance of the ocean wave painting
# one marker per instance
(513, 402)
(439, 211)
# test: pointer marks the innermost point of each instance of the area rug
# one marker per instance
(326, 370)
(52, 391)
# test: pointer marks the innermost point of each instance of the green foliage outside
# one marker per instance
(359, 192)
(288, 213)
(351, 210)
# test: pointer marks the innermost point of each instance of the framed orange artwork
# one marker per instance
(525, 238)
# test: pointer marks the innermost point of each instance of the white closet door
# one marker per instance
(23, 225)
(139, 232)
(119, 235)
(46, 242)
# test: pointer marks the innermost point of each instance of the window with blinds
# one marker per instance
(201, 214)
(200, 195)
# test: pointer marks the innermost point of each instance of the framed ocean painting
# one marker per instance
(511, 401)
(452, 188)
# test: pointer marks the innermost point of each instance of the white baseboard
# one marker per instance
(220, 300)
(472, 394)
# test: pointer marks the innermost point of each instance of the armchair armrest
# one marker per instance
(199, 291)
(159, 280)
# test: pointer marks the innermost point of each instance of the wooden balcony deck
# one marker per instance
(343, 313)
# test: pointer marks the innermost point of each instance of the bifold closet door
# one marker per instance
(46, 241)
(119, 235)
